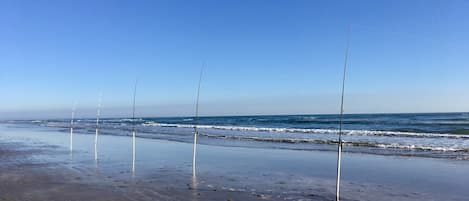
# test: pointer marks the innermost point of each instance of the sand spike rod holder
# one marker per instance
(98, 114)
(71, 126)
(133, 127)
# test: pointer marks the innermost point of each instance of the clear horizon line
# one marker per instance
(244, 115)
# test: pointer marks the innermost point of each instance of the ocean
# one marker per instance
(435, 135)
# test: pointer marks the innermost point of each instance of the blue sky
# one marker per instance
(263, 57)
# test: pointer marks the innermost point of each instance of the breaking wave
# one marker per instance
(313, 131)
(347, 143)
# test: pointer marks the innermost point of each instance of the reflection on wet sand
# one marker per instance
(194, 189)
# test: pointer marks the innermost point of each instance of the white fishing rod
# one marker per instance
(339, 146)
(133, 127)
(196, 120)
(98, 114)
(71, 126)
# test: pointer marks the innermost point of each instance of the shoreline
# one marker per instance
(223, 173)
(407, 135)
(355, 148)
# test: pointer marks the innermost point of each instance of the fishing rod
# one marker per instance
(133, 127)
(98, 114)
(340, 143)
(71, 126)
(196, 119)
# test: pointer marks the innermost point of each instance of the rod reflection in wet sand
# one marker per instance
(195, 192)
(340, 143)
(98, 113)
(133, 128)
(196, 118)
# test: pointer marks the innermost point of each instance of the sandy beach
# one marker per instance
(37, 165)
(234, 100)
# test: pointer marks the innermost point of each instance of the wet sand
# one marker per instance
(37, 165)
(25, 178)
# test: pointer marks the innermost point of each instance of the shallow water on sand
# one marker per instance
(262, 173)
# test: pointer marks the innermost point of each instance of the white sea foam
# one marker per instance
(348, 143)
(313, 131)
(421, 147)
(424, 142)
